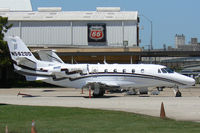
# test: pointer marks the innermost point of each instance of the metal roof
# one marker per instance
(15, 5)
(55, 14)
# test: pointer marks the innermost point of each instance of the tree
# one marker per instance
(5, 60)
(4, 51)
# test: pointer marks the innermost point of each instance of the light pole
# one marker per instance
(151, 38)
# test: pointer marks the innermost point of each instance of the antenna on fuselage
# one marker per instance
(73, 60)
(104, 61)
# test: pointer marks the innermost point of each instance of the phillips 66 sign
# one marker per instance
(96, 32)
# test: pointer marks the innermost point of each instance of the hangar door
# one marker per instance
(46, 33)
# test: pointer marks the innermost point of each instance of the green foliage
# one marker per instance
(4, 51)
(197, 80)
(78, 120)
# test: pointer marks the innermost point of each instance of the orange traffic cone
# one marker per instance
(90, 92)
(23, 94)
(82, 91)
(6, 130)
(162, 111)
(33, 130)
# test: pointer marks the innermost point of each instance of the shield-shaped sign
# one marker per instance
(96, 33)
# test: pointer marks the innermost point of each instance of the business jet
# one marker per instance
(99, 77)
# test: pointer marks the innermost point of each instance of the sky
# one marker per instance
(169, 17)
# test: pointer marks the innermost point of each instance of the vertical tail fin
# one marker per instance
(23, 60)
(18, 49)
(20, 54)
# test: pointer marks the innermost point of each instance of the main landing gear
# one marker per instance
(98, 90)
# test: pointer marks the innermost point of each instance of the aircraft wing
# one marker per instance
(103, 83)
(112, 83)
(59, 75)
(70, 75)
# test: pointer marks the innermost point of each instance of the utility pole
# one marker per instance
(151, 36)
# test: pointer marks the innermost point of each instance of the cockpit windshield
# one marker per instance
(167, 70)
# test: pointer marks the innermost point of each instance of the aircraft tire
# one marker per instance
(97, 95)
(160, 88)
(100, 94)
(178, 94)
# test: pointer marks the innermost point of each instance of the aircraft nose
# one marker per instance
(189, 81)
(193, 81)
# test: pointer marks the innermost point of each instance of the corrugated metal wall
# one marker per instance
(46, 33)
(79, 33)
(64, 33)
(114, 33)
(15, 30)
(130, 33)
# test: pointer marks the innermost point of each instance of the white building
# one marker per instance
(179, 40)
(15, 5)
(57, 28)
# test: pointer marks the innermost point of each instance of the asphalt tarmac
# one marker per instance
(185, 108)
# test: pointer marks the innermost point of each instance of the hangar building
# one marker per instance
(15, 5)
(105, 30)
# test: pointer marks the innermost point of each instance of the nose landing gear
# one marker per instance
(177, 92)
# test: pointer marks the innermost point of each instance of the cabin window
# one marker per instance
(133, 70)
(124, 70)
(106, 70)
(159, 71)
(142, 70)
(115, 70)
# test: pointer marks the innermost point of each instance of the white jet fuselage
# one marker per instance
(121, 75)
